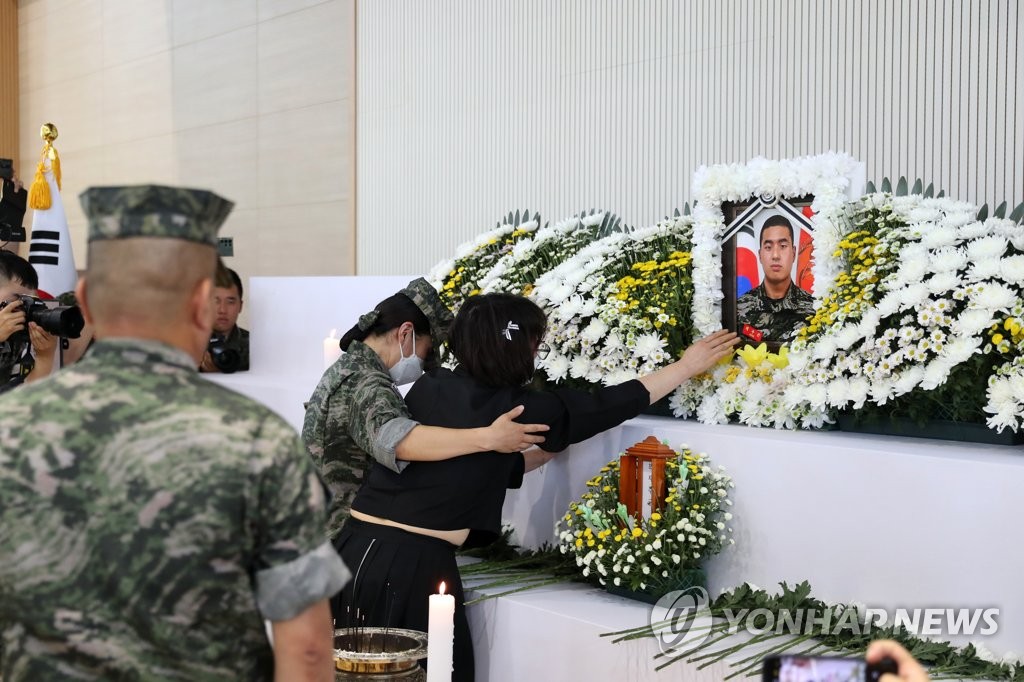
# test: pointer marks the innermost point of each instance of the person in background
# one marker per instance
(356, 415)
(25, 355)
(404, 528)
(228, 350)
(152, 520)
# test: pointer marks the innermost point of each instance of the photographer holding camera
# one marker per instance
(228, 350)
(26, 354)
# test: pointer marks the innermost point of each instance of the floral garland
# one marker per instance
(518, 271)
(459, 278)
(656, 553)
(828, 177)
(921, 283)
(619, 308)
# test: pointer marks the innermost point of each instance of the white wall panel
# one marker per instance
(467, 109)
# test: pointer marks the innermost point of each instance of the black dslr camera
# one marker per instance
(64, 320)
(227, 360)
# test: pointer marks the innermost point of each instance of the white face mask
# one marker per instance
(408, 369)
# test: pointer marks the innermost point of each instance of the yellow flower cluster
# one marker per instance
(1008, 335)
(651, 288)
(854, 288)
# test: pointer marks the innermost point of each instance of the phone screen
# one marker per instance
(814, 669)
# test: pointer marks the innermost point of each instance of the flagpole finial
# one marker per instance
(48, 132)
(39, 193)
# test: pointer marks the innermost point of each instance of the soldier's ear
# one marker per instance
(201, 310)
(81, 296)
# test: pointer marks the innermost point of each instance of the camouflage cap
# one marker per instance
(194, 215)
(429, 302)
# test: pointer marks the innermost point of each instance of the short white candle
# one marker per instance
(331, 350)
(440, 637)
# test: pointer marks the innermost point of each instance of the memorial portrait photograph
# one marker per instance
(768, 281)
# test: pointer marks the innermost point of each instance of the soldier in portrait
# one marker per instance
(152, 521)
(776, 309)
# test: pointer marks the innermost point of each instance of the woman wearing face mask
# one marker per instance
(404, 530)
(357, 417)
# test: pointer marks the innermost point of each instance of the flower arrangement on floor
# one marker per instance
(461, 277)
(619, 308)
(659, 553)
(925, 307)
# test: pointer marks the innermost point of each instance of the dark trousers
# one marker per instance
(394, 573)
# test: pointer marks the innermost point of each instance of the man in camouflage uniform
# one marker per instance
(356, 414)
(777, 309)
(151, 520)
(227, 335)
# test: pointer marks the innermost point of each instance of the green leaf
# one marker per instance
(1018, 213)
(929, 191)
(983, 213)
(886, 185)
(1000, 211)
(918, 187)
(869, 188)
(901, 187)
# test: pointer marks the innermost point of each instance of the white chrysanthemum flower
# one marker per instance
(594, 331)
(986, 248)
(1011, 268)
(556, 366)
(579, 367)
(647, 344)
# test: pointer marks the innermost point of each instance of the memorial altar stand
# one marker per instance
(887, 522)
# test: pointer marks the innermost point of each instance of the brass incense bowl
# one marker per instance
(373, 652)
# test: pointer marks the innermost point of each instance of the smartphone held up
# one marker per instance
(824, 669)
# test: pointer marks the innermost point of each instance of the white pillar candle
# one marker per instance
(331, 349)
(440, 637)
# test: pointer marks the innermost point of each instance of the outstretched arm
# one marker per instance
(699, 357)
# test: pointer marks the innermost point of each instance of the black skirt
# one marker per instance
(394, 574)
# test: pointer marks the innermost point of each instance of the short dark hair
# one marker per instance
(227, 278)
(15, 268)
(392, 312)
(494, 338)
(776, 220)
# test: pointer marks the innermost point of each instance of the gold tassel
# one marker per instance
(55, 165)
(39, 194)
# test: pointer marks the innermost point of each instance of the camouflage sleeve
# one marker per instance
(379, 420)
(296, 565)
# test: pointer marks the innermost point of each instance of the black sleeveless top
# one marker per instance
(469, 491)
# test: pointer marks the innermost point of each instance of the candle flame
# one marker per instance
(333, 333)
(442, 588)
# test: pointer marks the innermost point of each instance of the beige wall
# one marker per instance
(250, 98)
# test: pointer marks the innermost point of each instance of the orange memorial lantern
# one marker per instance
(642, 487)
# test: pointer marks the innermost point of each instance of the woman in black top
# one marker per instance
(404, 529)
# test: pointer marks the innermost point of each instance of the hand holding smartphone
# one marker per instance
(824, 669)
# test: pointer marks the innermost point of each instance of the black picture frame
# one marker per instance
(737, 214)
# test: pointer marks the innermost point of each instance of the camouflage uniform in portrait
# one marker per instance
(151, 519)
(356, 415)
(237, 340)
(778, 319)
